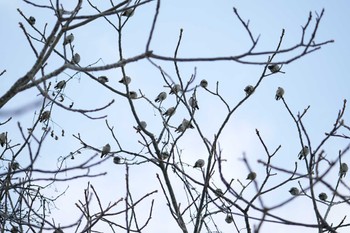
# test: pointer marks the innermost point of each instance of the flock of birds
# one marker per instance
(176, 88)
(193, 103)
(185, 124)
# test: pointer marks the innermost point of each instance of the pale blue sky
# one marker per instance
(210, 29)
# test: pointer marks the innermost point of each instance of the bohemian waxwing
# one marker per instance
(304, 152)
(125, 80)
(105, 150)
(162, 96)
(175, 89)
(249, 90)
(69, 39)
(199, 163)
(204, 83)
(279, 93)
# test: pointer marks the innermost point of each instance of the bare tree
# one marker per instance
(200, 196)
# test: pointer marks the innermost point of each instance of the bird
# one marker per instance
(274, 68)
(199, 163)
(69, 39)
(132, 95)
(204, 83)
(60, 85)
(279, 93)
(164, 155)
(343, 170)
(162, 96)
(45, 116)
(249, 90)
(31, 20)
(105, 150)
(141, 126)
(14, 229)
(102, 79)
(180, 128)
(76, 58)
(128, 12)
(125, 80)
(14, 165)
(175, 89)
(3, 139)
(229, 218)
(58, 230)
(304, 152)
(185, 124)
(169, 112)
(116, 160)
(218, 192)
(193, 102)
(251, 176)
(294, 191)
(323, 196)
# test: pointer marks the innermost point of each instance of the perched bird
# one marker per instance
(185, 124)
(164, 155)
(279, 93)
(128, 12)
(193, 102)
(251, 176)
(274, 68)
(175, 89)
(14, 229)
(169, 112)
(141, 126)
(343, 170)
(116, 160)
(58, 230)
(249, 90)
(69, 39)
(294, 191)
(125, 80)
(180, 128)
(3, 139)
(229, 218)
(103, 79)
(14, 165)
(45, 116)
(304, 152)
(218, 192)
(133, 95)
(199, 163)
(105, 150)
(60, 85)
(76, 58)
(323, 196)
(162, 96)
(31, 20)
(204, 83)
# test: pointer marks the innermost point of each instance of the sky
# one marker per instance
(319, 80)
